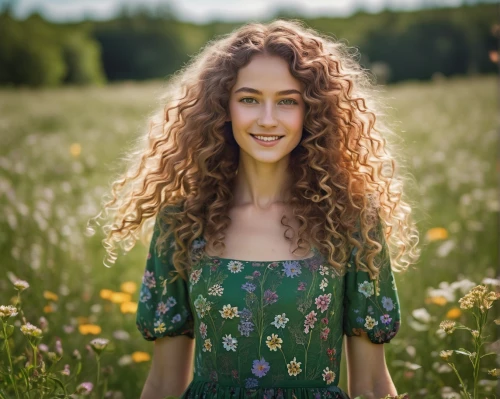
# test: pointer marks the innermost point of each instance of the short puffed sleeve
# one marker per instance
(164, 308)
(371, 305)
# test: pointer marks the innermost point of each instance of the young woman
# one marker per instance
(276, 208)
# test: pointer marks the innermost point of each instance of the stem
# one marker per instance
(460, 379)
(98, 357)
(305, 365)
(11, 373)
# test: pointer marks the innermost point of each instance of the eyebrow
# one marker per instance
(280, 93)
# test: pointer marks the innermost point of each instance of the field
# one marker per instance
(59, 153)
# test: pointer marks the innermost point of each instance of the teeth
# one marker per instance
(263, 138)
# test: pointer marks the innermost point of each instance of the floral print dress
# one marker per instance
(269, 329)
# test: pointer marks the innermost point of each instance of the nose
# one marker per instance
(267, 118)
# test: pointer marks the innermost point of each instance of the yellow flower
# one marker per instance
(128, 307)
(129, 287)
(120, 297)
(274, 342)
(89, 329)
(294, 367)
(139, 357)
(48, 308)
(437, 300)
(437, 233)
(453, 313)
(106, 294)
(445, 355)
(75, 149)
(50, 296)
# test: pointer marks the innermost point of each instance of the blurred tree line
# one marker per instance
(152, 43)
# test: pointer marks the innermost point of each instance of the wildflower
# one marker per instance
(75, 150)
(260, 367)
(85, 388)
(128, 307)
(66, 370)
(494, 372)
(274, 342)
(480, 297)
(89, 329)
(121, 335)
(120, 297)
(105, 294)
(497, 322)
(76, 355)
(99, 344)
(328, 376)
(453, 313)
(475, 333)
(30, 330)
(59, 348)
(446, 354)
(53, 357)
(48, 308)
(294, 367)
(129, 287)
(44, 324)
(437, 300)
(20, 285)
(125, 360)
(50, 296)
(447, 326)
(139, 357)
(436, 233)
(7, 311)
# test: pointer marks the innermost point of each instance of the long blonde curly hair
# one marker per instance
(345, 194)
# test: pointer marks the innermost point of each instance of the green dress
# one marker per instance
(267, 329)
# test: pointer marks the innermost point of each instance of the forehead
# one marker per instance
(266, 73)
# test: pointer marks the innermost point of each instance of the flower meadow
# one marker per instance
(68, 321)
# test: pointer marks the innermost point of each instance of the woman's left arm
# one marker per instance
(367, 371)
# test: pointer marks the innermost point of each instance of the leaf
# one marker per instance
(9, 330)
(463, 351)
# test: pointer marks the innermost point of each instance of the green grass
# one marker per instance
(448, 140)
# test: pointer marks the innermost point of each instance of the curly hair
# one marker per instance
(346, 192)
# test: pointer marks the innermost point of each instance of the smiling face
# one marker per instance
(266, 100)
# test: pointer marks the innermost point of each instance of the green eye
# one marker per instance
(290, 99)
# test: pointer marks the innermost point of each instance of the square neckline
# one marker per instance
(210, 257)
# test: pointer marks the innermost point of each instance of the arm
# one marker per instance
(171, 369)
(366, 369)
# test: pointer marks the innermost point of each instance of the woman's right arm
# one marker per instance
(171, 369)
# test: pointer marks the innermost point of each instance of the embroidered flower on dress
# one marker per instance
(323, 335)
(251, 383)
(274, 342)
(176, 318)
(366, 288)
(387, 303)
(235, 266)
(280, 320)
(216, 290)
(195, 276)
(370, 322)
(245, 314)
(207, 345)
(328, 376)
(149, 279)
(310, 320)
(245, 328)
(323, 284)
(248, 287)
(203, 330)
(202, 306)
(228, 312)
(260, 367)
(162, 308)
(294, 367)
(292, 268)
(229, 343)
(270, 297)
(159, 327)
(323, 301)
(302, 286)
(386, 319)
(323, 270)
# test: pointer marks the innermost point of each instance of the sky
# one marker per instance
(203, 11)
